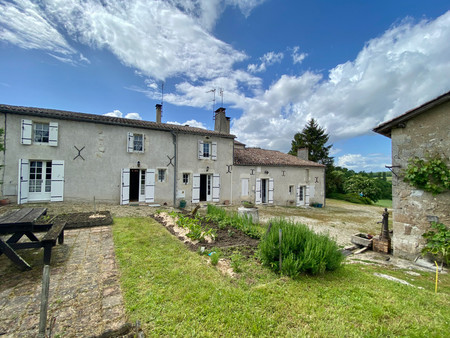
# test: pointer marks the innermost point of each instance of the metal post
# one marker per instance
(44, 301)
(279, 239)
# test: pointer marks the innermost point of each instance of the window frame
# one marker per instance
(186, 178)
(164, 171)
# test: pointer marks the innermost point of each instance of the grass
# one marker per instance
(384, 203)
(175, 292)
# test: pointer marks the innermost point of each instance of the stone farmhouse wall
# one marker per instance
(414, 209)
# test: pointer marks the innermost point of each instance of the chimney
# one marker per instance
(158, 113)
(302, 153)
(222, 122)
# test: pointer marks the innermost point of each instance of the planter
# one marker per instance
(362, 240)
(249, 212)
(182, 204)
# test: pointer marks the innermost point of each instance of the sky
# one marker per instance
(273, 64)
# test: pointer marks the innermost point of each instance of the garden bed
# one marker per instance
(225, 237)
(76, 220)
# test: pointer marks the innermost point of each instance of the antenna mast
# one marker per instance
(214, 100)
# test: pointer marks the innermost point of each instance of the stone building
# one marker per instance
(54, 155)
(420, 132)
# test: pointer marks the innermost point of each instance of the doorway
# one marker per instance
(134, 185)
(264, 190)
(205, 187)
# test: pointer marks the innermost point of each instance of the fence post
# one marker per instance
(279, 237)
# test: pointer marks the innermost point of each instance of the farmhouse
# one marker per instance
(54, 155)
(420, 132)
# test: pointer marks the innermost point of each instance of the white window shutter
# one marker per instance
(200, 149)
(258, 196)
(244, 190)
(57, 181)
(150, 186)
(125, 187)
(214, 151)
(26, 132)
(196, 188)
(53, 134)
(216, 188)
(270, 190)
(297, 197)
(23, 184)
(307, 195)
(130, 142)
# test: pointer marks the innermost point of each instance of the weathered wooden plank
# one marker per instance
(14, 215)
(33, 215)
(44, 300)
(13, 256)
(55, 231)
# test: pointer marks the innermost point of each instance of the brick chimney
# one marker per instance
(222, 122)
(158, 113)
(302, 153)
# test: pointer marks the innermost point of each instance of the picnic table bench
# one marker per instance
(22, 222)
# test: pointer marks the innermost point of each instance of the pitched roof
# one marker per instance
(93, 118)
(386, 127)
(258, 156)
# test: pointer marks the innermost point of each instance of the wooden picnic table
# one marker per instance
(22, 222)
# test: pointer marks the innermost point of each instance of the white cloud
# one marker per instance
(393, 73)
(118, 113)
(298, 57)
(358, 162)
(160, 39)
(190, 123)
(267, 59)
(24, 24)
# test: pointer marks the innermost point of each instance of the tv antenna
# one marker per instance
(214, 98)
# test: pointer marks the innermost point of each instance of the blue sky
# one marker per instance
(349, 64)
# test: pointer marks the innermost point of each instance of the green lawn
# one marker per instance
(384, 203)
(175, 292)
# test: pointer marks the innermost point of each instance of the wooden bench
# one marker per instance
(56, 232)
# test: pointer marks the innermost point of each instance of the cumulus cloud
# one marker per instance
(357, 162)
(267, 59)
(190, 123)
(393, 73)
(118, 113)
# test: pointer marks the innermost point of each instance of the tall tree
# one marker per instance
(315, 139)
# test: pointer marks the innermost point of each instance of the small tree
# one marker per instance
(360, 184)
(315, 139)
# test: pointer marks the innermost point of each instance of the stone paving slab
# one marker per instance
(85, 297)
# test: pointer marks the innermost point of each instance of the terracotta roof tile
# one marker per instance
(258, 156)
(68, 115)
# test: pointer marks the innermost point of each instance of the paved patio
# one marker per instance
(85, 297)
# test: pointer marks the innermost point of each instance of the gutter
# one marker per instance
(175, 166)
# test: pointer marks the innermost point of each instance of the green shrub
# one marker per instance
(214, 258)
(302, 250)
(236, 261)
(438, 242)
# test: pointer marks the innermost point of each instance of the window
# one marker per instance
(301, 193)
(207, 150)
(161, 175)
(206, 147)
(291, 189)
(40, 176)
(138, 142)
(185, 178)
(135, 143)
(41, 132)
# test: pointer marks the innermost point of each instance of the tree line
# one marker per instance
(341, 183)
